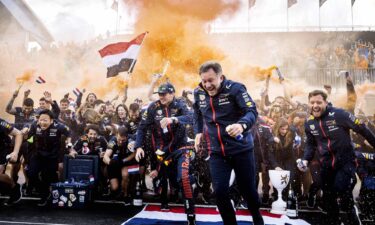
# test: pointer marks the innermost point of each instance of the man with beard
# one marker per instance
(227, 111)
(328, 130)
(91, 143)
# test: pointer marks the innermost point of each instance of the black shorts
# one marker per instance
(114, 169)
(4, 151)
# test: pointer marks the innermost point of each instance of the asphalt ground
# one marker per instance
(98, 213)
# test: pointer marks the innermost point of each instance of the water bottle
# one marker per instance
(137, 201)
(239, 137)
(300, 164)
(165, 130)
(297, 141)
(7, 158)
(291, 204)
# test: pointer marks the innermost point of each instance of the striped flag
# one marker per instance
(121, 56)
(152, 215)
(40, 80)
(134, 169)
(77, 92)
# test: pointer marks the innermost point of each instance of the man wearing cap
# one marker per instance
(225, 112)
(167, 118)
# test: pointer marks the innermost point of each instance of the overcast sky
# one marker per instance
(80, 20)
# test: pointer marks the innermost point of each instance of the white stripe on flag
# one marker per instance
(133, 169)
(130, 53)
(172, 216)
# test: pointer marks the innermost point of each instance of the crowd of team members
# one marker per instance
(113, 133)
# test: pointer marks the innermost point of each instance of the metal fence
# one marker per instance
(333, 77)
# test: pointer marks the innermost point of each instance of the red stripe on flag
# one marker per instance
(117, 48)
(208, 211)
(41, 79)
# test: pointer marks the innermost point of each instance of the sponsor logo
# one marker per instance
(83, 192)
(69, 190)
(331, 113)
(63, 198)
(55, 194)
(228, 86)
(70, 204)
(223, 101)
(331, 122)
(82, 199)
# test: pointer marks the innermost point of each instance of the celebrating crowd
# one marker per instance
(191, 144)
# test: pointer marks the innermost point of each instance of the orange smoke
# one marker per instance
(258, 73)
(25, 77)
(178, 33)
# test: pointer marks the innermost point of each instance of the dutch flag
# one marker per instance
(134, 169)
(40, 80)
(152, 215)
(77, 92)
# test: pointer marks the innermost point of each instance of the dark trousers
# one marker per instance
(180, 178)
(244, 168)
(338, 184)
(47, 168)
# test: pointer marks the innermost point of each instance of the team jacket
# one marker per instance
(49, 142)
(176, 135)
(232, 104)
(330, 135)
(5, 130)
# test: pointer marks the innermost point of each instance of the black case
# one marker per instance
(76, 191)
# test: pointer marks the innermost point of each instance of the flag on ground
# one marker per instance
(77, 92)
(152, 215)
(121, 56)
(40, 80)
(133, 169)
(291, 3)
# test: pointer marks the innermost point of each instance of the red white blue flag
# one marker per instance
(77, 92)
(152, 215)
(40, 80)
(121, 56)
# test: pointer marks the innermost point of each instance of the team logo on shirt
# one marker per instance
(144, 115)
(159, 112)
(312, 127)
(131, 124)
(202, 97)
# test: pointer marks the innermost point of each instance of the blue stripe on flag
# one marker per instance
(143, 221)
